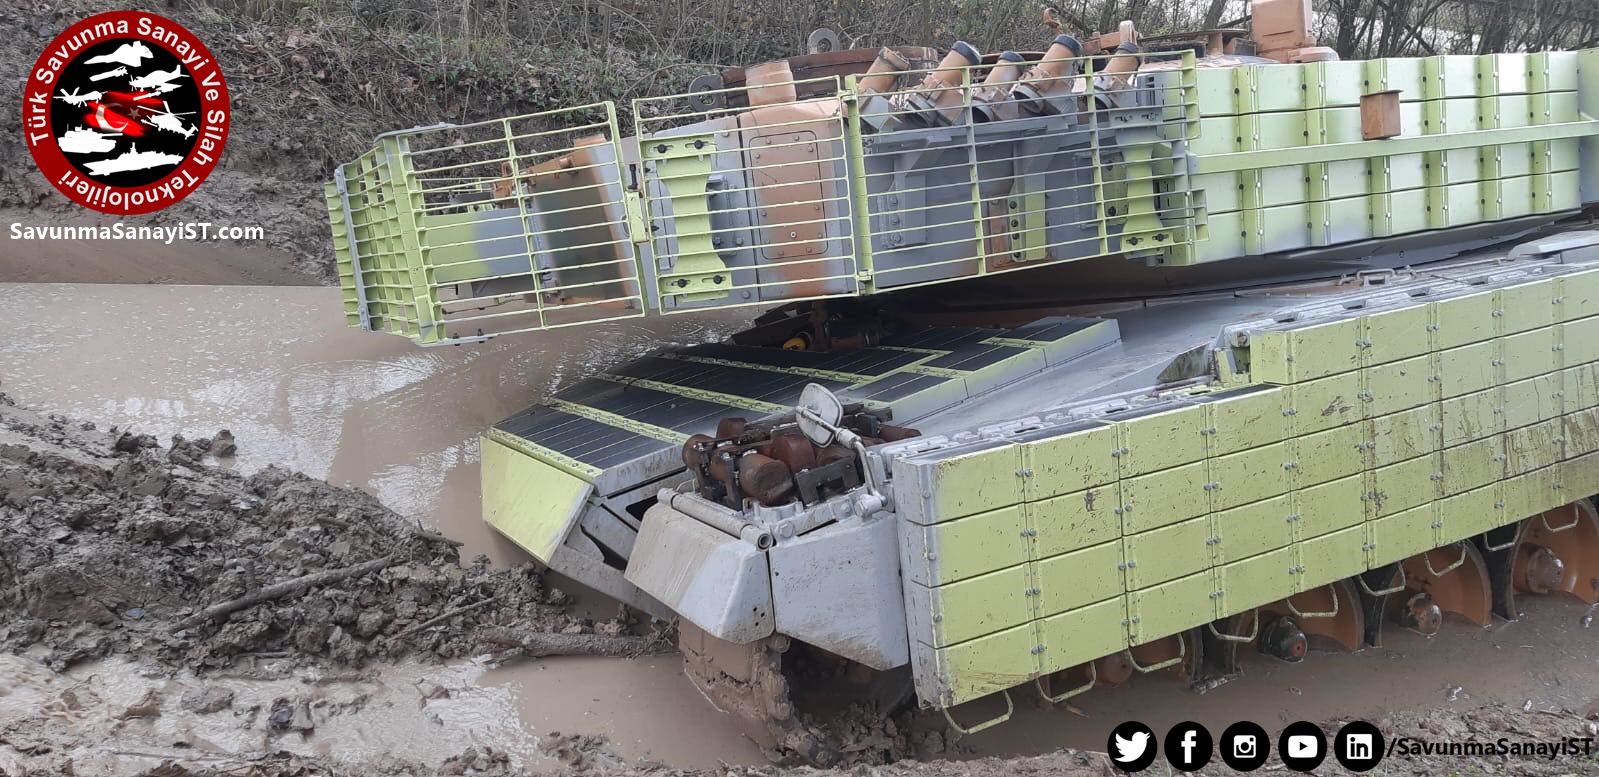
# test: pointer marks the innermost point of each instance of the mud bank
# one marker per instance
(122, 716)
(112, 544)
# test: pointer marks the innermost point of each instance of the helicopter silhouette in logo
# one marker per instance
(167, 120)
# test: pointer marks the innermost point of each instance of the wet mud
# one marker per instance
(112, 544)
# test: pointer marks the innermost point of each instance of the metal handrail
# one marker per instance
(1426, 559)
(1254, 631)
(1289, 603)
(1182, 653)
(1093, 677)
(1361, 580)
(1010, 709)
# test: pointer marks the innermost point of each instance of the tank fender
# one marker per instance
(718, 582)
(838, 588)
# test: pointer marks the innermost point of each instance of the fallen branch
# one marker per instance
(433, 536)
(286, 588)
(541, 644)
(431, 622)
(331, 520)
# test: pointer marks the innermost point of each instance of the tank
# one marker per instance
(1064, 366)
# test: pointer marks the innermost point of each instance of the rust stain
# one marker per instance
(787, 171)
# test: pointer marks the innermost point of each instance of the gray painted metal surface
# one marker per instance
(720, 583)
(838, 588)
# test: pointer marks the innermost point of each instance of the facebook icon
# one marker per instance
(1188, 746)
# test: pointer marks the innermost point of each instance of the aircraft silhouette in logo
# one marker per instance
(77, 100)
(131, 54)
(157, 81)
(165, 119)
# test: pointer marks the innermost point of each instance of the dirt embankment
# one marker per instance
(167, 576)
(111, 544)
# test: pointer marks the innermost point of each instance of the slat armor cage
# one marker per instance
(453, 233)
(456, 232)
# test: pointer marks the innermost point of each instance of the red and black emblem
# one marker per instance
(126, 112)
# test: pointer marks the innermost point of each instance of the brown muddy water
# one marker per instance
(278, 367)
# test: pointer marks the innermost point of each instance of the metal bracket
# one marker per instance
(1253, 631)
(1544, 517)
(1515, 535)
(1010, 708)
(812, 482)
(1426, 558)
(1289, 602)
(1361, 579)
(1093, 677)
(638, 229)
(1182, 653)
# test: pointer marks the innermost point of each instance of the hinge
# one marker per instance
(637, 230)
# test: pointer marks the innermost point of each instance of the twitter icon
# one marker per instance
(1131, 746)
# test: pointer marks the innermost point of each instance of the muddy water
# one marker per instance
(646, 707)
(278, 367)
